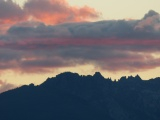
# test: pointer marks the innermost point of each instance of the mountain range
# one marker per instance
(70, 96)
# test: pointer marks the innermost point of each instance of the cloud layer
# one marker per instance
(47, 34)
(113, 45)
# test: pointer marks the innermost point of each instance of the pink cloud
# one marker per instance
(151, 19)
(40, 43)
(10, 13)
(46, 11)
(58, 11)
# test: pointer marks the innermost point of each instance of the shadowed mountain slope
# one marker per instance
(69, 96)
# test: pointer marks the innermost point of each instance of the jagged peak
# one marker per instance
(123, 78)
(130, 77)
(31, 85)
(98, 75)
(138, 77)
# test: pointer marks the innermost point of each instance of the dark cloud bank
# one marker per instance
(112, 45)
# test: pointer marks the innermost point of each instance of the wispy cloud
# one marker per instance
(4, 86)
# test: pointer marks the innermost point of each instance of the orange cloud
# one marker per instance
(58, 11)
(46, 11)
(10, 13)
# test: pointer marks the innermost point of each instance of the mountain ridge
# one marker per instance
(72, 96)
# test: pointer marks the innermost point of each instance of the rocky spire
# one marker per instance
(137, 77)
(98, 75)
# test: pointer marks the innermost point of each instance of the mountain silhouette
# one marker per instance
(70, 96)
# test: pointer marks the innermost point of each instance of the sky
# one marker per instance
(42, 38)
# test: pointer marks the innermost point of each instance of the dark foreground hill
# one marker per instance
(69, 96)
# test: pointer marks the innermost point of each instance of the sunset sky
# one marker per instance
(42, 38)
